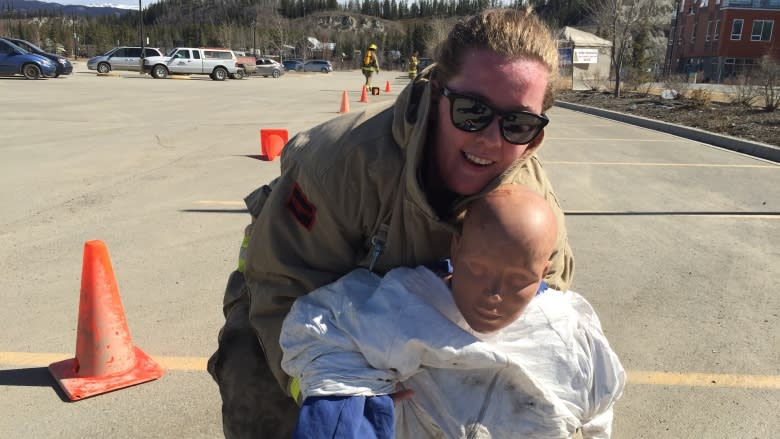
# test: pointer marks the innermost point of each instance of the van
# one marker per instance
(121, 58)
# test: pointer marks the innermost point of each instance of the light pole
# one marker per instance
(254, 38)
(141, 34)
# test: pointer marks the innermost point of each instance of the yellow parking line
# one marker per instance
(703, 380)
(221, 203)
(44, 359)
(691, 165)
(635, 377)
(746, 215)
(580, 139)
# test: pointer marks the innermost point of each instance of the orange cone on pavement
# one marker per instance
(364, 95)
(344, 102)
(387, 87)
(272, 141)
(105, 359)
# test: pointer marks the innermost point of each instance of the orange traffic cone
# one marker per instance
(364, 96)
(272, 141)
(105, 359)
(344, 102)
(387, 87)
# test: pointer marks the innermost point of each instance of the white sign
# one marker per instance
(585, 56)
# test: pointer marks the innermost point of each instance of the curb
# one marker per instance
(755, 149)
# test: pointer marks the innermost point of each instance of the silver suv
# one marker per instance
(121, 58)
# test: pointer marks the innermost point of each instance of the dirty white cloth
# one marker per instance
(547, 374)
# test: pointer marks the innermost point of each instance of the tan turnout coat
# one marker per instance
(343, 183)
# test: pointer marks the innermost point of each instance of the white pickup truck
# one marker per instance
(217, 63)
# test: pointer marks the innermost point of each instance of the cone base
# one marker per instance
(77, 387)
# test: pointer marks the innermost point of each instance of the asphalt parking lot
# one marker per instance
(677, 246)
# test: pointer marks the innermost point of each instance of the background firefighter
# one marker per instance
(413, 63)
(370, 65)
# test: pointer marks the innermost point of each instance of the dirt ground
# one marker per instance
(730, 119)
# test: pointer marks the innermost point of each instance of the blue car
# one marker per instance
(16, 61)
(294, 65)
(64, 67)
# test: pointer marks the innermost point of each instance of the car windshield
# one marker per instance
(109, 52)
(172, 51)
(16, 46)
(33, 47)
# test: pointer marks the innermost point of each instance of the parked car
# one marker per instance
(217, 63)
(318, 65)
(294, 65)
(121, 58)
(64, 67)
(423, 63)
(247, 65)
(268, 67)
(16, 61)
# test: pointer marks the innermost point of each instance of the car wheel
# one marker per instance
(56, 75)
(240, 73)
(324, 70)
(219, 74)
(159, 72)
(31, 71)
(103, 67)
(276, 73)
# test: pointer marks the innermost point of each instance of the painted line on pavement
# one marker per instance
(44, 359)
(691, 165)
(221, 203)
(606, 139)
(746, 215)
(703, 380)
(636, 377)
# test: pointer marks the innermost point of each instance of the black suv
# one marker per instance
(64, 67)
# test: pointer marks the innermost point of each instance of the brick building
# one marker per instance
(720, 39)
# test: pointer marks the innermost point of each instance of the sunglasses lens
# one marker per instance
(520, 128)
(469, 114)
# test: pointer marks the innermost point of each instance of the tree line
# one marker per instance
(268, 25)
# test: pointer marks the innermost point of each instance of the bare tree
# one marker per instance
(769, 80)
(620, 20)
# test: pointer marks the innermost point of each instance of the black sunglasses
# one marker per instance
(471, 114)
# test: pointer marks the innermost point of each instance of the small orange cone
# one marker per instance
(387, 87)
(364, 96)
(272, 141)
(105, 359)
(344, 102)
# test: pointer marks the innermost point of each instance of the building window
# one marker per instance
(717, 30)
(762, 30)
(707, 35)
(693, 33)
(736, 29)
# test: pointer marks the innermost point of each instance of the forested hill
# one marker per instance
(22, 8)
(269, 26)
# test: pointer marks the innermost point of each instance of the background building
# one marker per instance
(720, 39)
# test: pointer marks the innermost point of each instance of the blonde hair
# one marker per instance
(514, 34)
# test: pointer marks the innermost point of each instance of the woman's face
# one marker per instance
(468, 161)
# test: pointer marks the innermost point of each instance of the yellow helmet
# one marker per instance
(372, 46)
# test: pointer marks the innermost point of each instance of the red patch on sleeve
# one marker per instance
(302, 209)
